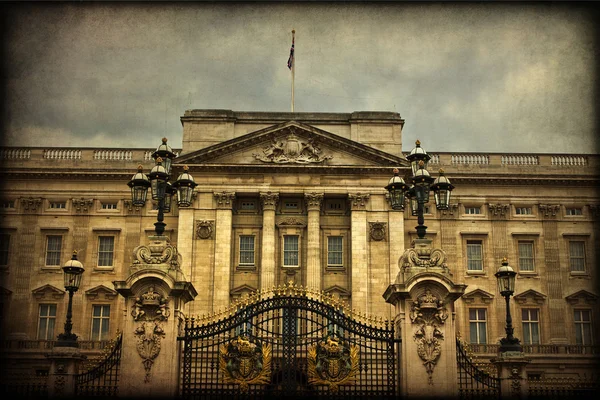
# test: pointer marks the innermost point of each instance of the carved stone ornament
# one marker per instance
(499, 210)
(450, 212)
(377, 231)
(292, 221)
(549, 210)
(245, 361)
(31, 204)
(130, 207)
(358, 201)
(268, 200)
(594, 210)
(204, 229)
(423, 257)
(313, 200)
(82, 205)
(292, 150)
(149, 336)
(157, 252)
(224, 199)
(333, 362)
(150, 306)
(428, 313)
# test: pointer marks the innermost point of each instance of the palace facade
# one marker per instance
(301, 198)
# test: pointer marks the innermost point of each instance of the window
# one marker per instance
(335, 251)
(474, 255)
(334, 206)
(574, 211)
(106, 248)
(7, 204)
(478, 325)
(290, 251)
(46, 321)
(583, 327)
(523, 210)
(531, 325)
(4, 246)
(526, 256)
(246, 250)
(577, 255)
(248, 205)
(58, 205)
(290, 205)
(472, 210)
(53, 250)
(100, 321)
(109, 206)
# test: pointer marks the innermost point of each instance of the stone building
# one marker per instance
(301, 197)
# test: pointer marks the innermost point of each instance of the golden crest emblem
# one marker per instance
(333, 362)
(245, 361)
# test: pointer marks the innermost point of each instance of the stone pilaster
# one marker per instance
(360, 258)
(554, 278)
(223, 232)
(268, 203)
(185, 240)
(313, 262)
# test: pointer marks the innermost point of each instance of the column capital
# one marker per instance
(225, 200)
(500, 211)
(549, 210)
(269, 200)
(358, 201)
(31, 204)
(313, 201)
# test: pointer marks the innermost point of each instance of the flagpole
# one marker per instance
(293, 68)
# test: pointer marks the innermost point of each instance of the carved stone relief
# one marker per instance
(292, 150)
(204, 229)
(31, 204)
(130, 207)
(82, 205)
(428, 313)
(499, 210)
(549, 210)
(157, 252)
(358, 201)
(377, 231)
(313, 200)
(225, 199)
(268, 200)
(149, 336)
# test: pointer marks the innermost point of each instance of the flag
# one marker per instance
(291, 59)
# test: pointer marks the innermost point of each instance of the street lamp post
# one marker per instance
(506, 286)
(161, 189)
(422, 184)
(73, 271)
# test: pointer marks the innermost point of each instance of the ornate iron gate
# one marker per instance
(473, 382)
(285, 343)
(103, 379)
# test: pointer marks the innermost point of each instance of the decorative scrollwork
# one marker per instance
(293, 151)
(332, 362)
(244, 361)
(148, 344)
(204, 229)
(377, 230)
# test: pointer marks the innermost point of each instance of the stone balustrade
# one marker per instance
(437, 159)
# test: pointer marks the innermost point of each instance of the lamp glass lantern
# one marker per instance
(139, 185)
(422, 184)
(168, 201)
(158, 180)
(441, 191)
(417, 155)
(506, 279)
(397, 188)
(73, 273)
(185, 185)
(166, 154)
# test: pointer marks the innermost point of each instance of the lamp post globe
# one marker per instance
(73, 273)
(506, 286)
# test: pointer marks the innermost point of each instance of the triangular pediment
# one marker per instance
(101, 292)
(477, 296)
(47, 292)
(582, 297)
(530, 297)
(292, 144)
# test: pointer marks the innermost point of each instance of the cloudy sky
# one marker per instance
(511, 77)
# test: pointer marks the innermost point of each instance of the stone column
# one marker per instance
(63, 368)
(313, 261)
(268, 203)
(359, 246)
(424, 295)
(223, 232)
(155, 293)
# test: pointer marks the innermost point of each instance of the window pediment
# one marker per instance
(478, 296)
(48, 292)
(530, 297)
(582, 297)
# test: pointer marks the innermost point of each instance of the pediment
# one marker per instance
(477, 296)
(530, 297)
(338, 292)
(242, 291)
(101, 292)
(292, 144)
(48, 292)
(582, 297)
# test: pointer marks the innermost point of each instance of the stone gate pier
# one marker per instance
(423, 295)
